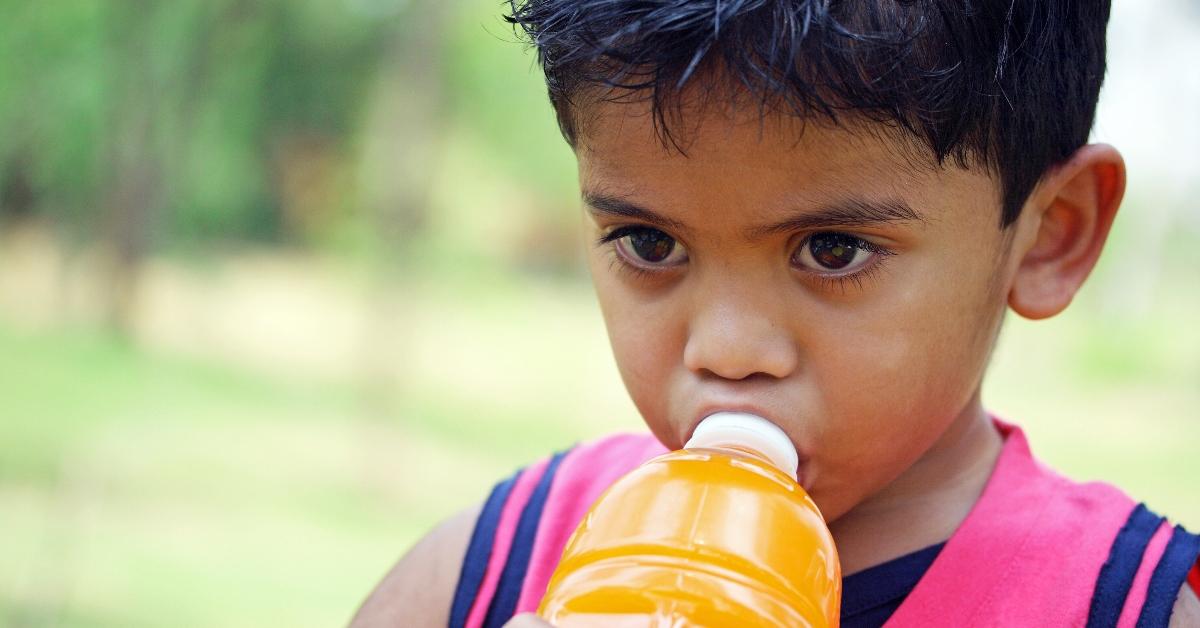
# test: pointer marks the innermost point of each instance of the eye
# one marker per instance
(837, 253)
(645, 246)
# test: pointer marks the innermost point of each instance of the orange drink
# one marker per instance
(716, 534)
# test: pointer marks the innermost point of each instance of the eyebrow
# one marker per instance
(616, 206)
(851, 212)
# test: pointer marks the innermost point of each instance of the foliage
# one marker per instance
(195, 104)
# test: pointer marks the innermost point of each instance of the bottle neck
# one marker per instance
(747, 433)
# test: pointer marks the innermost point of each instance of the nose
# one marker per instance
(734, 337)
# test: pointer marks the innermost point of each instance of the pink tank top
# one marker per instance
(1036, 550)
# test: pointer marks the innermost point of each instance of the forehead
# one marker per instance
(762, 163)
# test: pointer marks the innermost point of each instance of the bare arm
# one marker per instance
(419, 589)
(1187, 610)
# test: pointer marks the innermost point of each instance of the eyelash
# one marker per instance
(843, 281)
(619, 263)
(828, 282)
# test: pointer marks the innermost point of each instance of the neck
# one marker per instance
(926, 504)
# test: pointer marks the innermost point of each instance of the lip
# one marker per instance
(711, 408)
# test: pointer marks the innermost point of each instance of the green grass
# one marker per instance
(138, 489)
(141, 489)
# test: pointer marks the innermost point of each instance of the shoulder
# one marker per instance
(492, 561)
(1087, 551)
(418, 589)
(523, 529)
(1187, 610)
(1147, 558)
(1144, 578)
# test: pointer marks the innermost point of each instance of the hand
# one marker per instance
(527, 620)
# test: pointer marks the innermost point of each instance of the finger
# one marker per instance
(527, 620)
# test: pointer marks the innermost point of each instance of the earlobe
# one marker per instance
(1071, 212)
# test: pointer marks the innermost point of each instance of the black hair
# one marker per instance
(1008, 84)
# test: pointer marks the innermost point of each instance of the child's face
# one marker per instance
(863, 329)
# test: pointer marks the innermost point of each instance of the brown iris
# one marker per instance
(651, 245)
(833, 250)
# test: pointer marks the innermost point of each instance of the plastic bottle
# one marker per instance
(716, 534)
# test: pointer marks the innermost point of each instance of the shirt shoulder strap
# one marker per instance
(1028, 552)
(511, 550)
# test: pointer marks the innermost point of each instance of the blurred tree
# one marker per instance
(402, 140)
(134, 194)
(53, 83)
(142, 124)
(16, 188)
(210, 102)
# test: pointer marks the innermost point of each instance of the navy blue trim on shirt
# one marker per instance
(508, 590)
(479, 552)
(1124, 558)
(872, 595)
(1168, 577)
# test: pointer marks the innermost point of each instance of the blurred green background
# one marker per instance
(284, 282)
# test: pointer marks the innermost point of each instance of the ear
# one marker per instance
(1067, 219)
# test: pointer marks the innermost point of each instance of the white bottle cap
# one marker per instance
(747, 431)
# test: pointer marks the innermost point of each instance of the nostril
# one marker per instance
(752, 377)
(739, 343)
(741, 361)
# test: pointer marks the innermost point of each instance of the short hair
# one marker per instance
(1009, 85)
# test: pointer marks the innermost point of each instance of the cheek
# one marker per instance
(644, 340)
(911, 361)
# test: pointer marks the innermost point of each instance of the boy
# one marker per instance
(818, 212)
